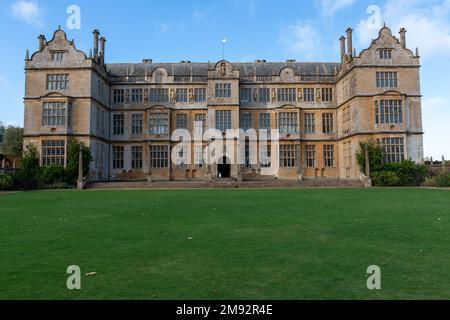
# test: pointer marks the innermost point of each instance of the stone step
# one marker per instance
(229, 183)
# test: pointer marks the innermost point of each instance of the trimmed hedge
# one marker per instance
(385, 179)
(404, 174)
(31, 176)
(440, 181)
(6, 182)
(52, 175)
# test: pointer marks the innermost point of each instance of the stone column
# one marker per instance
(209, 173)
(299, 163)
(342, 41)
(41, 42)
(403, 37)
(367, 161)
(170, 163)
(350, 42)
(80, 169)
(102, 49)
(96, 35)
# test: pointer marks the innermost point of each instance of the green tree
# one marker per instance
(28, 175)
(375, 156)
(12, 144)
(73, 151)
(2, 133)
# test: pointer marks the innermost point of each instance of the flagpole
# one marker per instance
(224, 41)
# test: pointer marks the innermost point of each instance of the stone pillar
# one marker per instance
(237, 156)
(170, 164)
(342, 41)
(96, 35)
(350, 42)
(403, 37)
(299, 164)
(366, 150)
(102, 49)
(80, 169)
(41, 42)
(209, 173)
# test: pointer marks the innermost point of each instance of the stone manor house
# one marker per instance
(126, 112)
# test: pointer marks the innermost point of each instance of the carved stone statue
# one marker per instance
(223, 69)
(172, 95)
(274, 95)
(191, 95)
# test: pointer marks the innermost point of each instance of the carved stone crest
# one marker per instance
(274, 95)
(172, 96)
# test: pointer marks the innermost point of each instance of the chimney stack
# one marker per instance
(403, 37)
(342, 40)
(102, 48)
(350, 42)
(41, 42)
(96, 34)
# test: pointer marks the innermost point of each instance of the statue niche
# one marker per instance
(223, 69)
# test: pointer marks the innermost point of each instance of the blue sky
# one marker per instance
(255, 29)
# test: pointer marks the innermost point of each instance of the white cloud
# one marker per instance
(248, 58)
(162, 27)
(27, 11)
(204, 17)
(249, 5)
(329, 7)
(200, 16)
(3, 82)
(434, 103)
(166, 27)
(428, 25)
(301, 40)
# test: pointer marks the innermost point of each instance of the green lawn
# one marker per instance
(226, 244)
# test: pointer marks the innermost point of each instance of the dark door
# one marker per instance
(224, 169)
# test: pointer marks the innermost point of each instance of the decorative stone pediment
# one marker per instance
(159, 75)
(287, 75)
(386, 41)
(224, 69)
(58, 44)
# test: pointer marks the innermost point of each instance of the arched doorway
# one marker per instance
(224, 168)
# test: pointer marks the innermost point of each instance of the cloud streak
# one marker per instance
(249, 5)
(3, 82)
(330, 7)
(28, 11)
(301, 40)
(428, 25)
(434, 103)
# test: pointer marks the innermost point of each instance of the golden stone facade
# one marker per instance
(126, 113)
